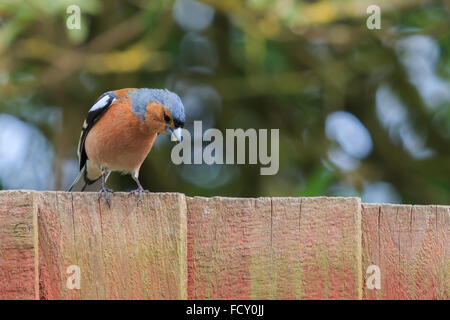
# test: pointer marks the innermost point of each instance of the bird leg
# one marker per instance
(139, 190)
(104, 189)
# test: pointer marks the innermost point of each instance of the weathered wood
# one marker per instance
(18, 250)
(330, 240)
(228, 248)
(123, 252)
(280, 248)
(57, 245)
(173, 247)
(410, 245)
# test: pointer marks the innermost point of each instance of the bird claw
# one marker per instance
(140, 191)
(105, 190)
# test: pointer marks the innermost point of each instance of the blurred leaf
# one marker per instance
(317, 182)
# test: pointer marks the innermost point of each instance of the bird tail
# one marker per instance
(83, 184)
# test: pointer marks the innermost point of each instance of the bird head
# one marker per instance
(162, 110)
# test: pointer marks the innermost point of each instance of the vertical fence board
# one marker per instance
(273, 248)
(330, 237)
(123, 252)
(228, 248)
(17, 246)
(56, 244)
(410, 246)
(144, 247)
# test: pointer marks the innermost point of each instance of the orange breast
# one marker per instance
(119, 141)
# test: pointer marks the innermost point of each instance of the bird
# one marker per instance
(119, 132)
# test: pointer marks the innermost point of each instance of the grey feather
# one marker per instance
(141, 97)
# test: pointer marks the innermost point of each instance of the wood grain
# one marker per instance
(124, 252)
(17, 246)
(57, 249)
(280, 248)
(228, 248)
(410, 245)
(177, 247)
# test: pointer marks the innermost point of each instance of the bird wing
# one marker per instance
(95, 113)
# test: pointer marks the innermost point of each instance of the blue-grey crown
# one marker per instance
(170, 100)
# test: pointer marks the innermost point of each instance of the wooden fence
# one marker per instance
(177, 247)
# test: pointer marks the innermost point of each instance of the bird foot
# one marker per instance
(140, 191)
(105, 190)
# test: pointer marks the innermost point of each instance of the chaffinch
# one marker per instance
(119, 132)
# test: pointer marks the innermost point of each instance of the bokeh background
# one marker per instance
(361, 112)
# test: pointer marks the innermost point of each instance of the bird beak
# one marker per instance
(175, 135)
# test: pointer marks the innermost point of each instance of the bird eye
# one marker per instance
(166, 118)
